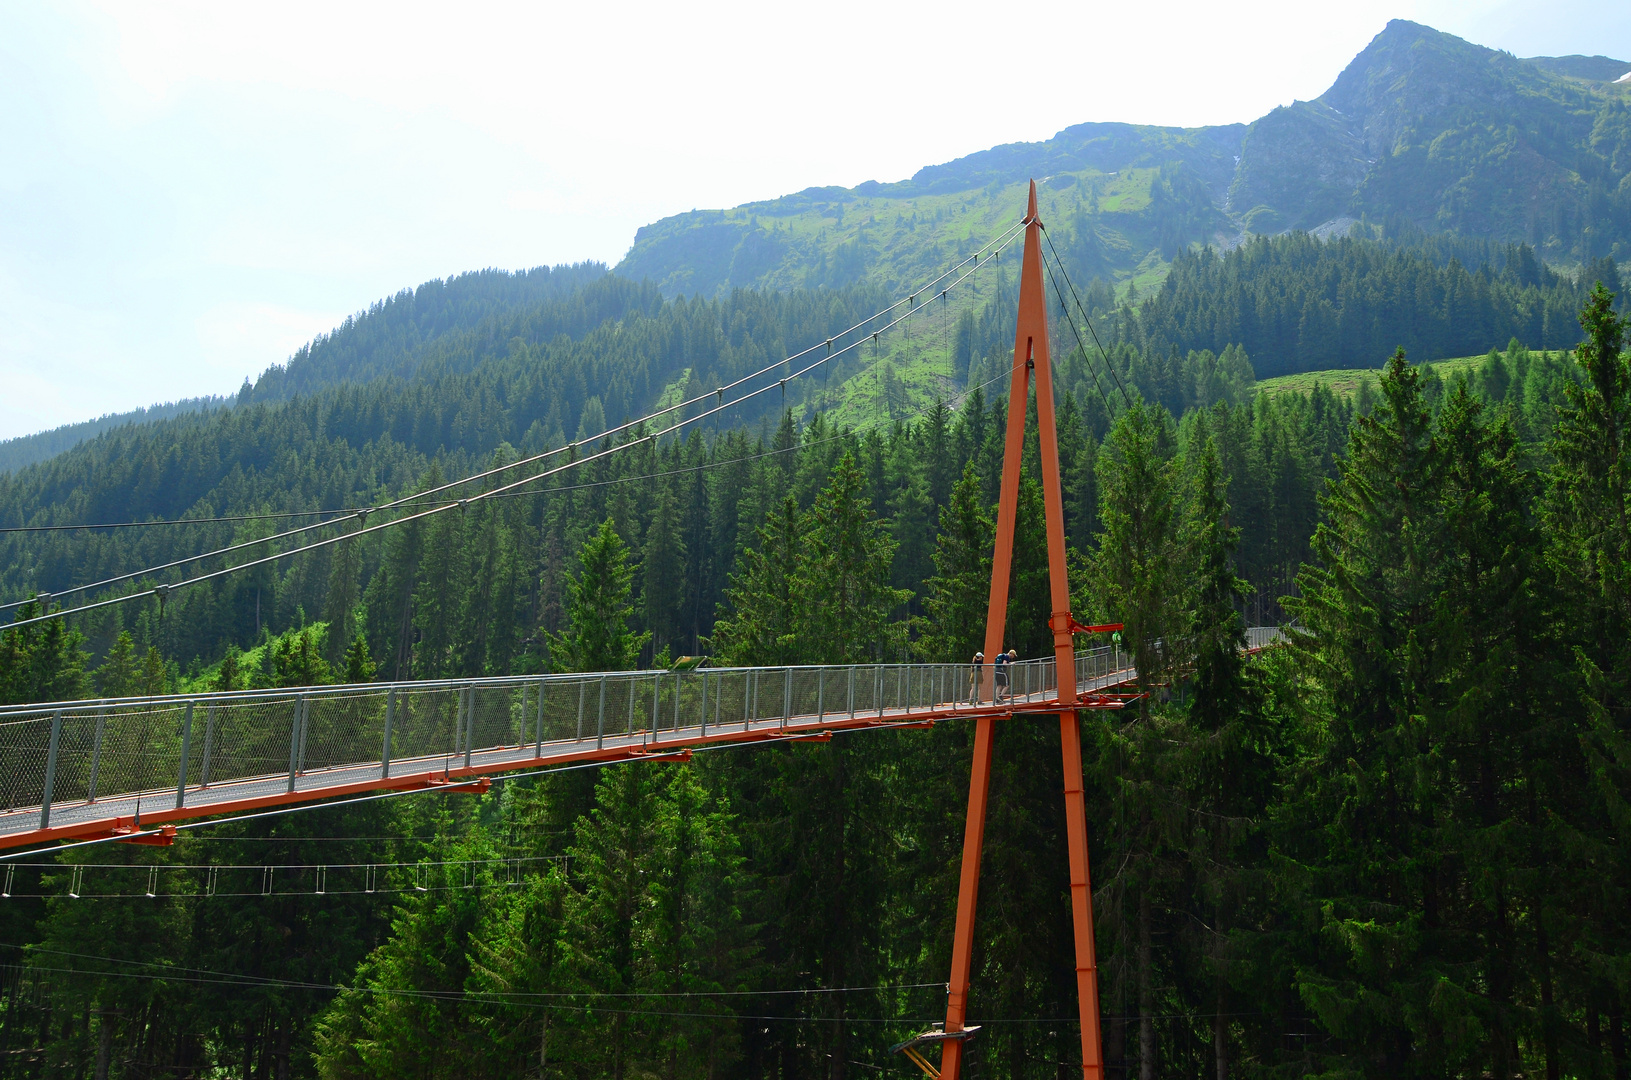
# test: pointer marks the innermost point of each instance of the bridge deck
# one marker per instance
(96, 768)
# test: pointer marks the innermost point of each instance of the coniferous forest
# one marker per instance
(1393, 846)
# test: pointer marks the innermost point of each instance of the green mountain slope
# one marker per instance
(389, 339)
(1131, 191)
(28, 449)
(1422, 129)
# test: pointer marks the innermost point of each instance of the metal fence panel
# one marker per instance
(174, 747)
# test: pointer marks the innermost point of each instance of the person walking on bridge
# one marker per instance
(1001, 675)
(974, 667)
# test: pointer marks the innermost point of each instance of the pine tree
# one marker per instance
(120, 673)
(340, 604)
(42, 662)
(155, 675)
(1368, 606)
(689, 931)
(1136, 569)
(664, 571)
(359, 666)
(843, 577)
(443, 580)
(229, 676)
(1216, 634)
(611, 856)
(953, 626)
(1589, 505)
(297, 659)
(598, 636)
(759, 621)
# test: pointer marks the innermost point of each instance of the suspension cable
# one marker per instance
(164, 590)
(1108, 410)
(1086, 319)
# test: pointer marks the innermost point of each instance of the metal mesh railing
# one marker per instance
(169, 750)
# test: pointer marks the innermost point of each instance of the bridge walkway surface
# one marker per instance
(88, 769)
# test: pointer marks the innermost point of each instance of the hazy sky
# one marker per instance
(190, 191)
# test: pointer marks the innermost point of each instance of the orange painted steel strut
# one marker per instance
(1031, 360)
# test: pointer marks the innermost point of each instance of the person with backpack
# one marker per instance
(1002, 662)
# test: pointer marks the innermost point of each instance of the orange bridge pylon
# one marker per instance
(1031, 361)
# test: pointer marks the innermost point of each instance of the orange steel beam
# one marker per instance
(1031, 360)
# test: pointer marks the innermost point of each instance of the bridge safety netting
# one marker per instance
(95, 760)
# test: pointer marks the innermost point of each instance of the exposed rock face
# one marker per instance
(1299, 166)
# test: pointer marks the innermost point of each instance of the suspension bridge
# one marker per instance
(136, 769)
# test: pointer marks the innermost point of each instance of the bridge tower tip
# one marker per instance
(1030, 207)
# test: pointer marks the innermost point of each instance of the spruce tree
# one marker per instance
(359, 666)
(1589, 504)
(598, 636)
(230, 675)
(297, 659)
(1367, 815)
(846, 601)
(42, 662)
(120, 673)
(1135, 573)
(664, 571)
(155, 674)
(1215, 635)
(952, 627)
(759, 620)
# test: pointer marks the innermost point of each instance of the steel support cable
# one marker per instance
(193, 976)
(241, 545)
(1000, 242)
(501, 999)
(1080, 307)
(342, 511)
(488, 494)
(170, 971)
(261, 980)
(689, 469)
(1108, 411)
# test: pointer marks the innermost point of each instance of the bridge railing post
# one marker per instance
(50, 770)
(209, 743)
(469, 724)
(294, 740)
(96, 753)
(583, 689)
(385, 744)
(186, 752)
(538, 736)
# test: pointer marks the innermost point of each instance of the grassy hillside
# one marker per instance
(1345, 382)
(900, 234)
(1422, 130)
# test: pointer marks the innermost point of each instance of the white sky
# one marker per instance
(189, 191)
